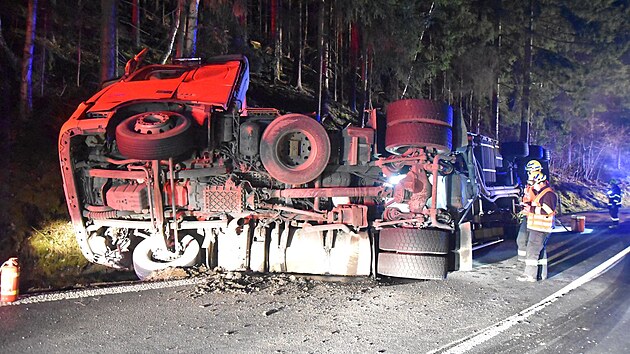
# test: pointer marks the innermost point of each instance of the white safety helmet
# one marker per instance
(533, 165)
(536, 177)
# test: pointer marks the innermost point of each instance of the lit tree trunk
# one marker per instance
(300, 49)
(108, 39)
(497, 98)
(276, 34)
(135, 22)
(320, 48)
(191, 29)
(173, 34)
(527, 77)
(79, 47)
(26, 85)
(354, 58)
(239, 10)
(180, 34)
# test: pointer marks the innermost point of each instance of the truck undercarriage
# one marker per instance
(169, 167)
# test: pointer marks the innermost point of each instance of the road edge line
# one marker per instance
(119, 289)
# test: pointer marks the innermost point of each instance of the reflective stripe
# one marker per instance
(614, 219)
(522, 253)
(536, 262)
(539, 222)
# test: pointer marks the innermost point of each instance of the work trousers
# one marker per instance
(614, 214)
(536, 259)
(521, 240)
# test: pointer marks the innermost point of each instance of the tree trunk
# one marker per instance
(135, 22)
(415, 57)
(354, 58)
(26, 85)
(527, 77)
(276, 33)
(191, 29)
(173, 34)
(181, 32)
(78, 83)
(300, 50)
(108, 39)
(497, 97)
(320, 48)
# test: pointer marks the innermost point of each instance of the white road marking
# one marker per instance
(120, 289)
(465, 344)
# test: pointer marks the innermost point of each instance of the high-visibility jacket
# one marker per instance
(542, 213)
(614, 196)
(528, 194)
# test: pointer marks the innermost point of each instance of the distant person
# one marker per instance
(528, 195)
(540, 221)
(614, 203)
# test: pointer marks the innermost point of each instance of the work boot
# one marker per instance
(613, 226)
(526, 278)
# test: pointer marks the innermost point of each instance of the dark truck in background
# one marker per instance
(169, 167)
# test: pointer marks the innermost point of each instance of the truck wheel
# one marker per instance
(514, 149)
(535, 152)
(295, 149)
(144, 262)
(154, 135)
(412, 266)
(403, 136)
(546, 155)
(414, 240)
(419, 111)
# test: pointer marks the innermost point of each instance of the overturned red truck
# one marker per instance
(168, 166)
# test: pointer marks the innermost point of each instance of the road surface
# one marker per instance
(481, 311)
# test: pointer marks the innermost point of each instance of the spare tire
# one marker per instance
(535, 152)
(154, 135)
(401, 137)
(295, 149)
(419, 111)
(514, 149)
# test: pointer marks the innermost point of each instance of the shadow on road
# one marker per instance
(567, 249)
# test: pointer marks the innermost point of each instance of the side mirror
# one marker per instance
(134, 63)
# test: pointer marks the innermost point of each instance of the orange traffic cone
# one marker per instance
(9, 280)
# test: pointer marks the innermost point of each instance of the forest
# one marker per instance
(547, 72)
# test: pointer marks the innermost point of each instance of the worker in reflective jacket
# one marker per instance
(614, 202)
(540, 222)
(533, 167)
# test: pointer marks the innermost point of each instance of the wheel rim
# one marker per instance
(294, 149)
(153, 123)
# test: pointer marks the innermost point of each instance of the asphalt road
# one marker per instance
(482, 311)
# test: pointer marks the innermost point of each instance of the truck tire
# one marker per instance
(412, 266)
(154, 136)
(414, 240)
(401, 137)
(144, 263)
(314, 149)
(419, 111)
(513, 149)
(535, 152)
(546, 155)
